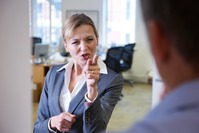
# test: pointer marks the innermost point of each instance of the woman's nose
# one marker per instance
(83, 45)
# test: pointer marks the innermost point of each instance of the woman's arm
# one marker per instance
(97, 115)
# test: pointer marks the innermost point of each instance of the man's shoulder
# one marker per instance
(168, 119)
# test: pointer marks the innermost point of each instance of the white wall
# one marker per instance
(142, 61)
(157, 88)
(15, 92)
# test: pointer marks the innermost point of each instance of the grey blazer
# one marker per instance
(89, 119)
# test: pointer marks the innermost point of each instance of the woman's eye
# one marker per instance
(90, 39)
(74, 42)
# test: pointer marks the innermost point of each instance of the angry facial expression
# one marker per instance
(82, 44)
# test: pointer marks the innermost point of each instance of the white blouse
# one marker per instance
(65, 95)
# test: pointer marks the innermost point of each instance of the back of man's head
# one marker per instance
(179, 20)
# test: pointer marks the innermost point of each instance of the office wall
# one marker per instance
(143, 58)
(142, 61)
(15, 92)
(157, 87)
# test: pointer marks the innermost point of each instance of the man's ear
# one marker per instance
(158, 41)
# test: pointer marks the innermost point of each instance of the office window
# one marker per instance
(46, 20)
(128, 9)
(120, 22)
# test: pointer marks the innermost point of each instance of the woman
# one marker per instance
(78, 97)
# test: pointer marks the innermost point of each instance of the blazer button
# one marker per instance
(88, 113)
(87, 120)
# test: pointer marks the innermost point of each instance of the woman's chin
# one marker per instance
(83, 63)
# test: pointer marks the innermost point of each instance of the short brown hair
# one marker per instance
(179, 20)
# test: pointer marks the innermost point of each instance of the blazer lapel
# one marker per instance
(77, 99)
(58, 85)
(80, 96)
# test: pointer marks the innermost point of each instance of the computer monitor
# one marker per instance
(41, 51)
(35, 40)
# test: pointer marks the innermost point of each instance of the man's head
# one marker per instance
(172, 27)
(178, 21)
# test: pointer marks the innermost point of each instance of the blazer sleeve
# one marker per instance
(43, 113)
(97, 115)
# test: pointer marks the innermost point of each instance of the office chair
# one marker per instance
(113, 57)
(120, 59)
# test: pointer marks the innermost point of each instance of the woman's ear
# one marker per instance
(65, 46)
(159, 42)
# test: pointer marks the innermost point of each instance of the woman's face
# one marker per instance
(82, 44)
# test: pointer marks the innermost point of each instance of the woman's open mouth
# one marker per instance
(85, 56)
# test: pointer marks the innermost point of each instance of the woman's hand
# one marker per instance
(92, 72)
(62, 122)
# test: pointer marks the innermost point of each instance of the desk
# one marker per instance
(38, 76)
(39, 72)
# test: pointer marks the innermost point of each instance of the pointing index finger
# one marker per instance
(95, 58)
